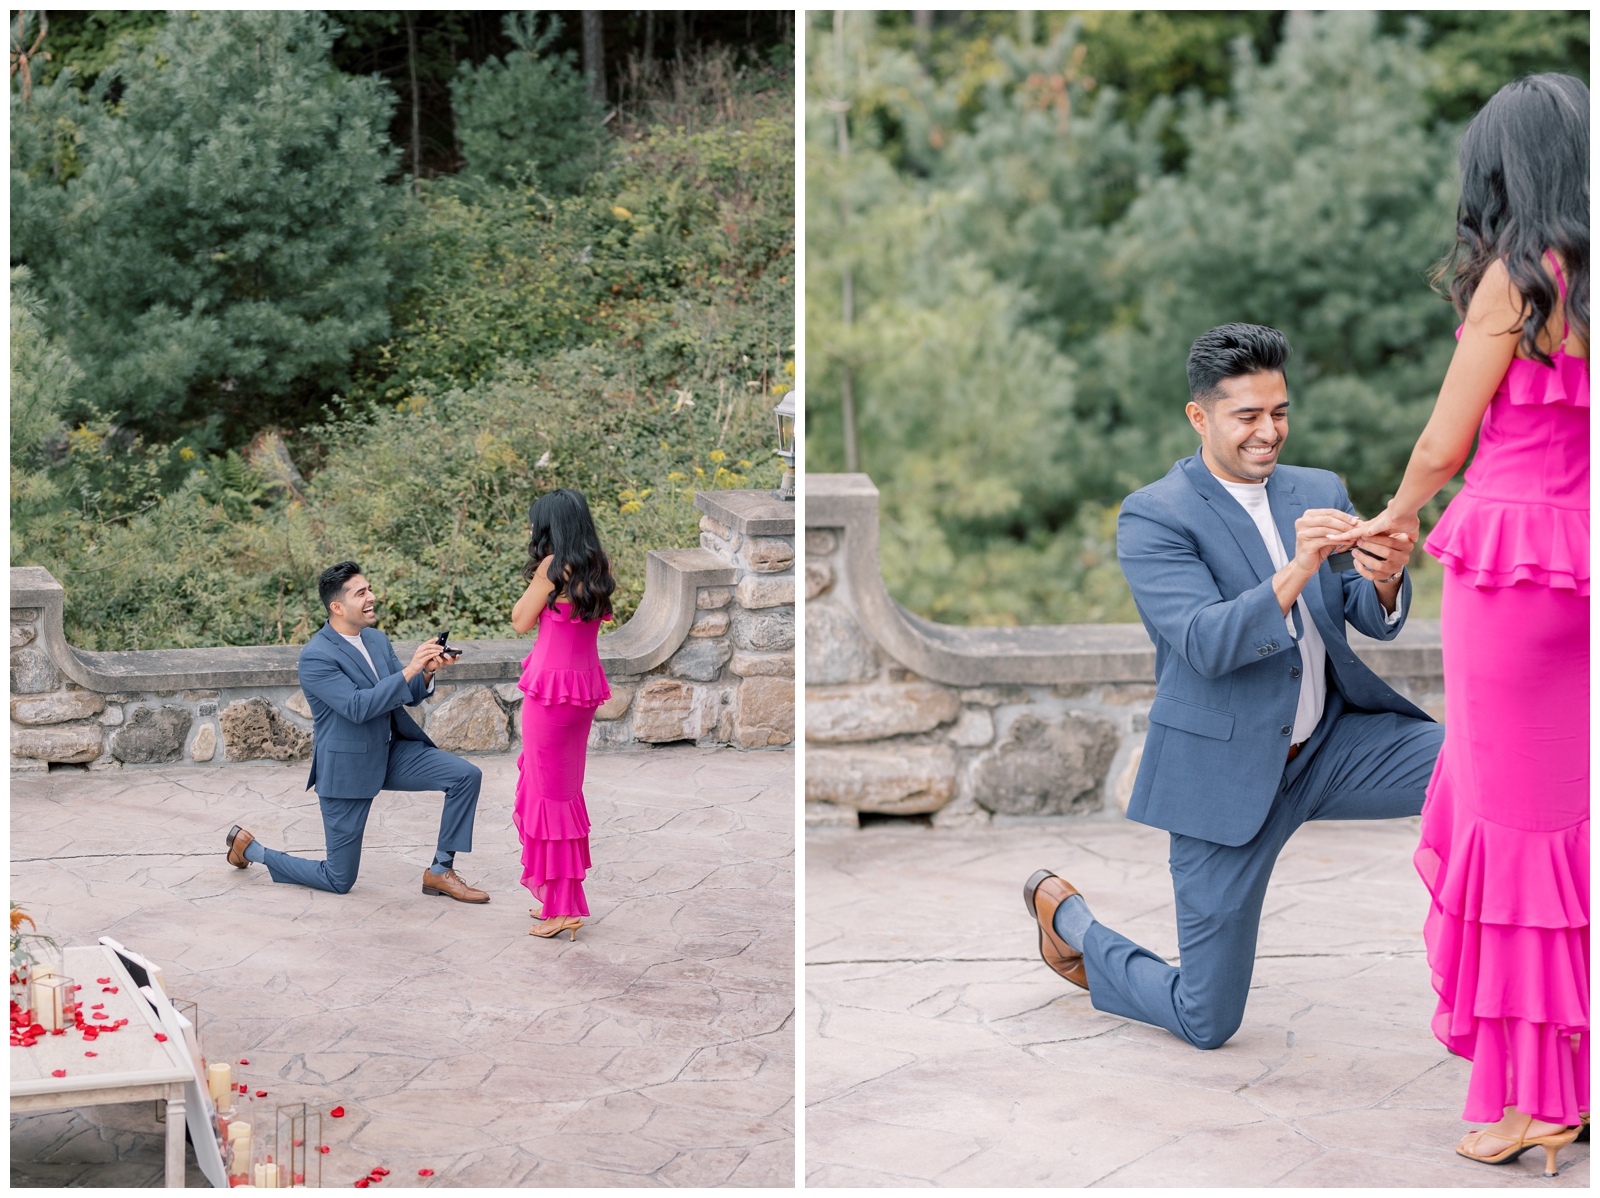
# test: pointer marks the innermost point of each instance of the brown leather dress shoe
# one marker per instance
(1043, 893)
(452, 885)
(237, 839)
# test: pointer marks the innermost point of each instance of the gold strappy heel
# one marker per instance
(1552, 1143)
(554, 927)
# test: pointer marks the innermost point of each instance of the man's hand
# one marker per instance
(1314, 535)
(424, 660)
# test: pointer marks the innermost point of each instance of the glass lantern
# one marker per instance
(237, 1152)
(299, 1136)
(54, 1000)
(784, 414)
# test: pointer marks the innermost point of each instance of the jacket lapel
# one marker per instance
(1234, 517)
(350, 653)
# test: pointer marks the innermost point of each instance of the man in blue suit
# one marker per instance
(1263, 717)
(365, 741)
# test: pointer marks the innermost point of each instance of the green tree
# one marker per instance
(528, 112)
(212, 245)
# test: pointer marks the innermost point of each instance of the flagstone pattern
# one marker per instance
(942, 1052)
(656, 1049)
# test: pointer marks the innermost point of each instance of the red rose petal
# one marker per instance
(424, 1172)
(104, 981)
(162, 1037)
(58, 1073)
(242, 1061)
(243, 1088)
(36, 1029)
(324, 1149)
(261, 1093)
(297, 1143)
(337, 1112)
(60, 1031)
(91, 1054)
(363, 1183)
(299, 1179)
(381, 1172)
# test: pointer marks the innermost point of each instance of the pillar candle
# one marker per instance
(219, 1080)
(267, 1176)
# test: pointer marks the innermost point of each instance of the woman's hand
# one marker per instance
(1399, 525)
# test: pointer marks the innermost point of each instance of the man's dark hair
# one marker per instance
(1232, 351)
(330, 585)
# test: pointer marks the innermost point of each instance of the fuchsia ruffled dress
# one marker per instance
(563, 684)
(1505, 831)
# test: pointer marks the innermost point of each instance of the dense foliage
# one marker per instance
(629, 340)
(1029, 254)
(213, 240)
(528, 116)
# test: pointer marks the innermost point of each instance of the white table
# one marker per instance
(131, 1065)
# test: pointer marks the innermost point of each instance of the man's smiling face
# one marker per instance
(1243, 430)
(358, 605)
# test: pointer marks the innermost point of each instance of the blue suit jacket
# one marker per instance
(354, 713)
(1225, 695)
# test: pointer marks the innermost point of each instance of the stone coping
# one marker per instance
(658, 627)
(1043, 655)
(749, 513)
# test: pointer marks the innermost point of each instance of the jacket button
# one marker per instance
(1263, 651)
(1294, 671)
(1286, 729)
(1274, 646)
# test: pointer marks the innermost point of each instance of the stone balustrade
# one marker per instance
(969, 725)
(708, 656)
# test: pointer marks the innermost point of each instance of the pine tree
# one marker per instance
(530, 112)
(208, 223)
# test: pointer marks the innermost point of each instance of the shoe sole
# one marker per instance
(429, 890)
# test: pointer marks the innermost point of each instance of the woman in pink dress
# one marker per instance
(568, 598)
(1505, 828)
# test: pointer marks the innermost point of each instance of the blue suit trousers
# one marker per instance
(1355, 766)
(412, 766)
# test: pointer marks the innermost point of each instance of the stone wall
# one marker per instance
(967, 726)
(707, 657)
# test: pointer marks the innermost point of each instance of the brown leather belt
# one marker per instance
(1294, 751)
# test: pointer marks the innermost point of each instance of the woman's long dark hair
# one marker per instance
(1524, 190)
(563, 528)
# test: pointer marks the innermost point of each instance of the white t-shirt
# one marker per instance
(1313, 653)
(362, 649)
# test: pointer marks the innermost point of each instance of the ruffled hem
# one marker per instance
(547, 860)
(1499, 543)
(550, 819)
(575, 688)
(1529, 383)
(558, 897)
(1508, 948)
(1539, 1069)
(1488, 873)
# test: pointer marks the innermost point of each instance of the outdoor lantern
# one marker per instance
(784, 414)
(237, 1153)
(298, 1132)
(54, 1001)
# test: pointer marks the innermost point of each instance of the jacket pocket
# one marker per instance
(346, 746)
(1191, 717)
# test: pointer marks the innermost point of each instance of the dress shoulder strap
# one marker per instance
(1561, 283)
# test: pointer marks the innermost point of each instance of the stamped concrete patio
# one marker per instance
(941, 1051)
(656, 1050)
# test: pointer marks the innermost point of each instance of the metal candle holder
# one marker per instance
(300, 1151)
